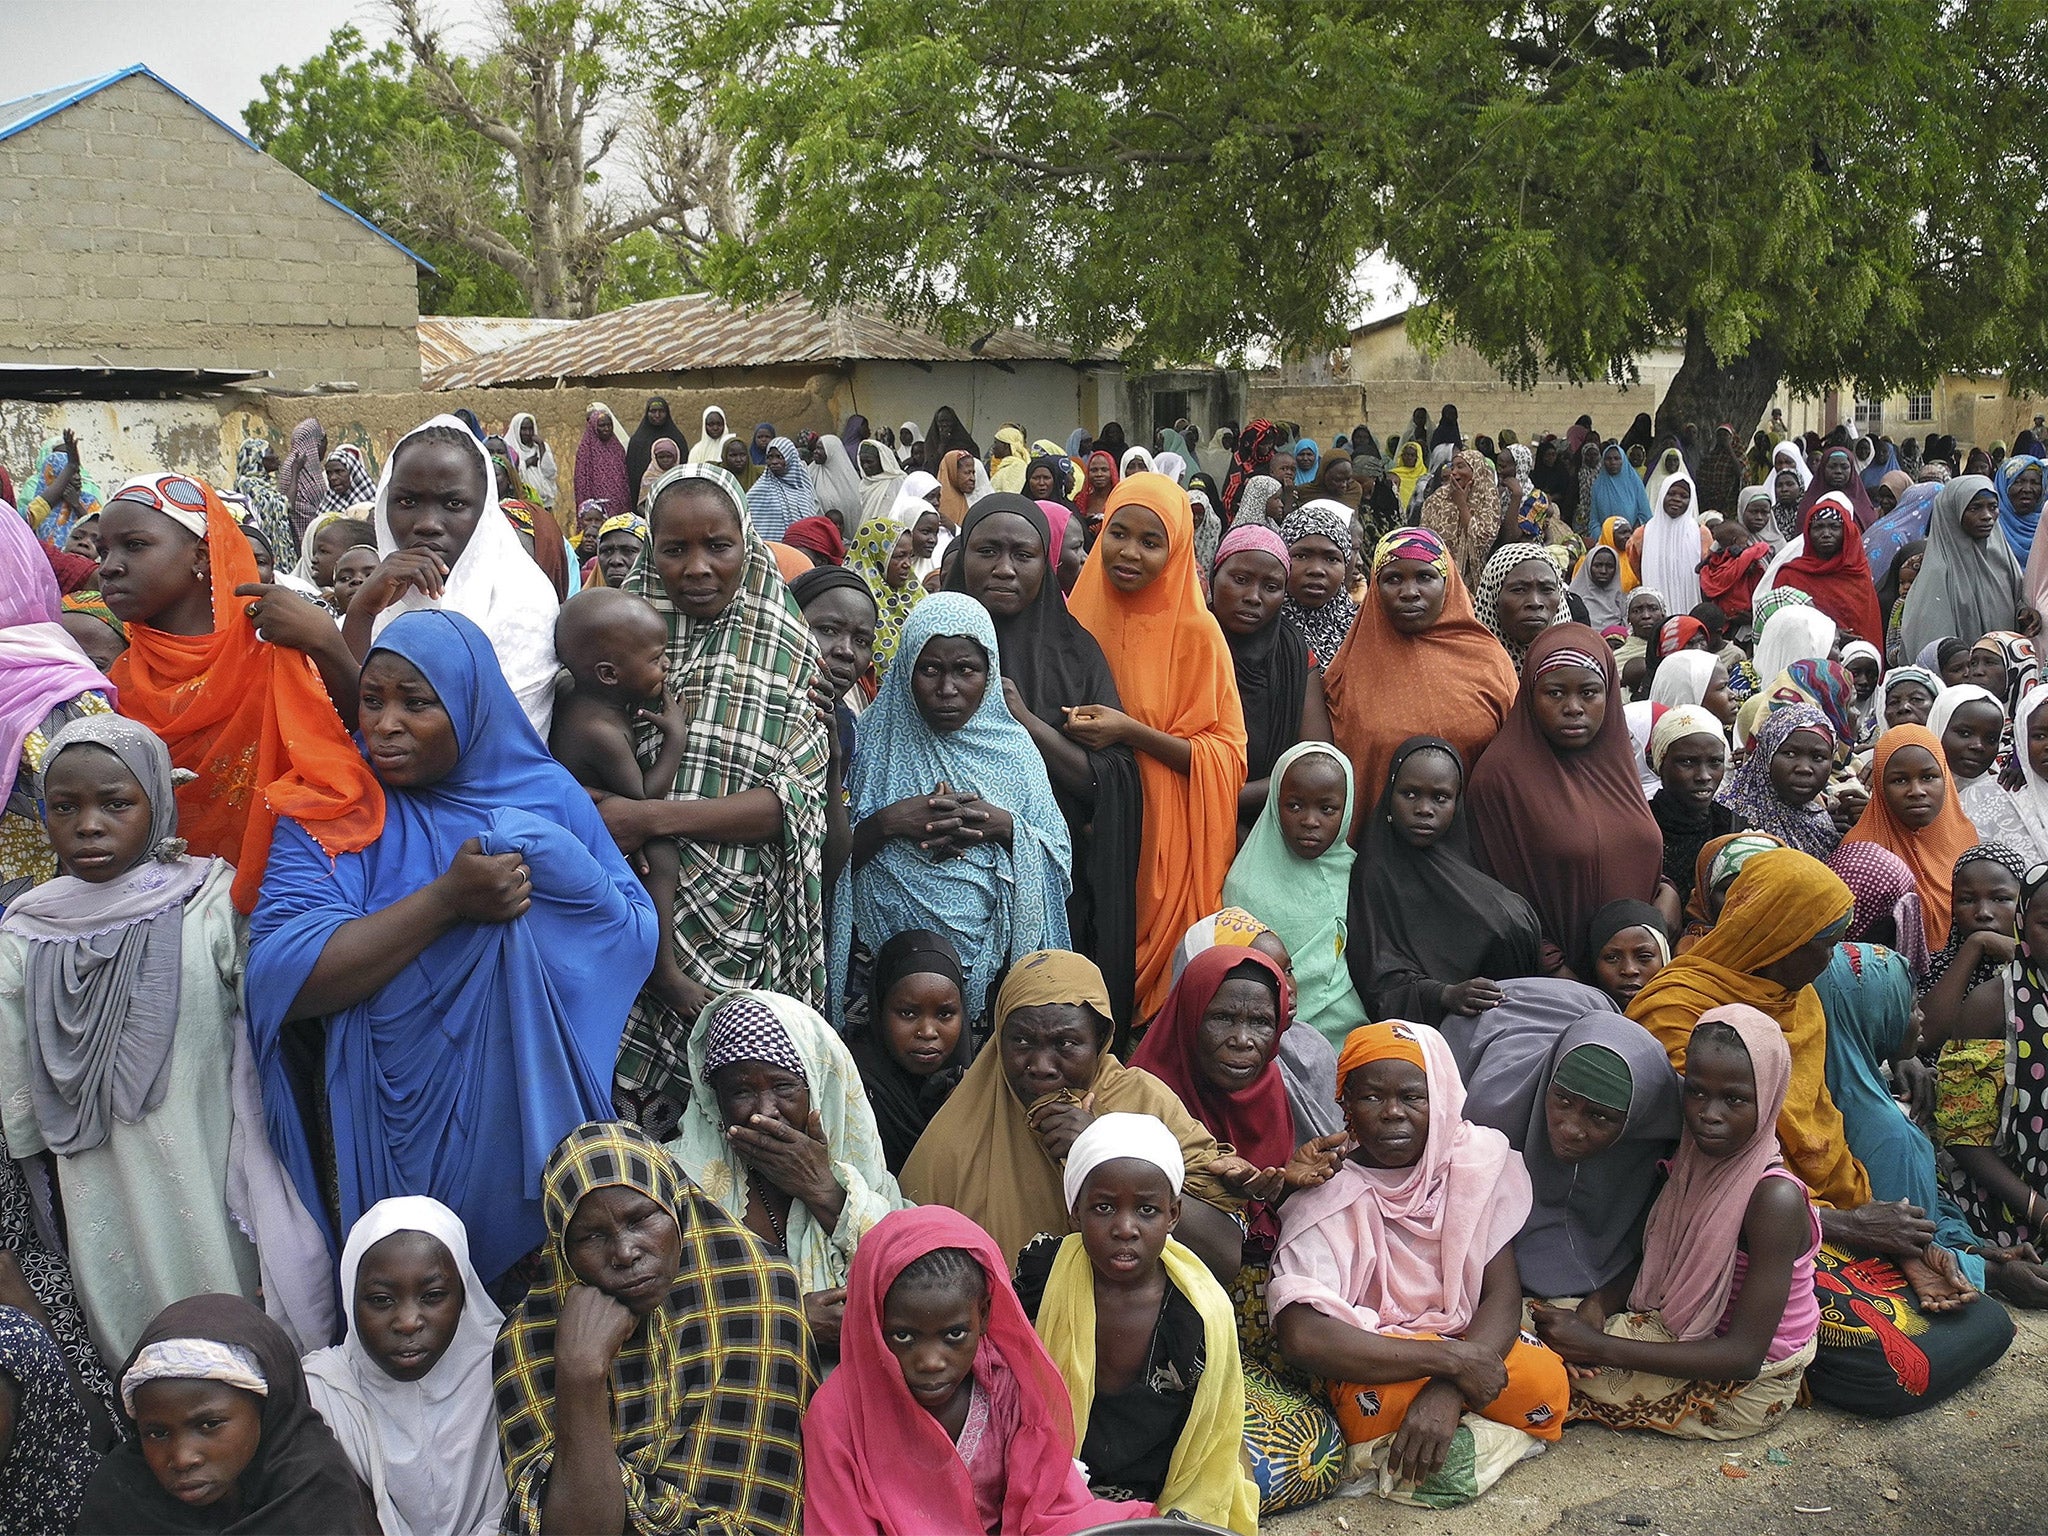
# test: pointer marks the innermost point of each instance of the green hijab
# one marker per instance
(1305, 901)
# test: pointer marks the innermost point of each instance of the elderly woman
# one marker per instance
(1417, 661)
(994, 1151)
(779, 1132)
(655, 1377)
(1902, 1329)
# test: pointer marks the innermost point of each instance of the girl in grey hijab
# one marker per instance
(1969, 583)
(119, 1014)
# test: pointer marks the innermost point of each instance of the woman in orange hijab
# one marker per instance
(251, 719)
(1416, 663)
(1139, 596)
(1914, 812)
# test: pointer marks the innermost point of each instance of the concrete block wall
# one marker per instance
(135, 230)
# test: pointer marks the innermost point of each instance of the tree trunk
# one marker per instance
(1707, 391)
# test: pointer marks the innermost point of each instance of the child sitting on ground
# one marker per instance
(615, 647)
(945, 1413)
(1143, 1334)
(1724, 1320)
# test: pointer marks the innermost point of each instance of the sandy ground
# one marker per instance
(1975, 1466)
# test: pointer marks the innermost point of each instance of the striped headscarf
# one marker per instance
(1417, 544)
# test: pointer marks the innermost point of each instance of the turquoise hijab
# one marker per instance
(1867, 993)
(1305, 901)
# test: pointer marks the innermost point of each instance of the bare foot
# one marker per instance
(1937, 1280)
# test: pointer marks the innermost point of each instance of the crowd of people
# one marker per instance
(844, 982)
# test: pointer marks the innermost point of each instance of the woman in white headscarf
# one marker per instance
(1673, 543)
(491, 580)
(710, 445)
(534, 458)
(879, 489)
(427, 1447)
(837, 484)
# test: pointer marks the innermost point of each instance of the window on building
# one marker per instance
(1869, 412)
(1920, 407)
(1168, 406)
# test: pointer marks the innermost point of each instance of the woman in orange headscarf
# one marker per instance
(1417, 663)
(1139, 596)
(251, 719)
(1914, 812)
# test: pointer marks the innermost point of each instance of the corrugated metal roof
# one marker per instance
(695, 331)
(26, 111)
(449, 339)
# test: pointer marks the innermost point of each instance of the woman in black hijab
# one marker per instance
(1431, 936)
(1448, 430)
(1110, 440)
(1640, 434)
(912, 974)
(655, 422)
(296, 1478)
(948, 433)
(1055, 665)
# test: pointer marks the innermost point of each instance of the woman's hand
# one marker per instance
(825, 1311)
(1478, 1374)
(1893, 1228)
(399, 570)
(1469, 998)
(1424, 1439)
(1998, 948)
(1242, 1177)
(1913, 1083)
(1315, 1162)
(2029, 621)
(1058, 1124)
(797, 1162)
(481, 887)
(1096, 726)
(1572, 1336)
(981, 822)
(288, 618)
(1014, 702)
(589, 1334)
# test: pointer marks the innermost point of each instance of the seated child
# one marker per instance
(221, 1436)
(945, 1413)
(1396, 1282)
(1294, 875)
(1722, 1319)
(1144, 1336)
(120, 1009)
(1732, 569)
(408, 1392)
(615, 647)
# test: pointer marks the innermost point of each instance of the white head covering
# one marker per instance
(427, 1448)
(838, 482)
(1671, 546)
(1174, 467)
(1949, 700)
(708, 449)
(1642, 719)
(192, 521)
(1898, 676)
(192, 1360)
(495, 585)
(1142, 457)
(1798, 461)
(537, 463)
(1674, 725)
(1110, 1137)
(1798, 633)
(1684, 678)
(2030, 800)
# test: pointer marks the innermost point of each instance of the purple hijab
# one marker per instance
(40, 666)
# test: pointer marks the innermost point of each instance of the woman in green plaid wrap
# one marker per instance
(747, 810)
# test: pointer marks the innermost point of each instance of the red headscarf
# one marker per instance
(253, 720)
(1841, 587)
(1092, 511)
(1249, 456)
(876, 1461)
(1254, 1119)
(818, 536)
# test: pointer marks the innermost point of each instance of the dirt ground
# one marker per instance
(1975, 1466)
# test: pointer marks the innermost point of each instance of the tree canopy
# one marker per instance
(495, 167)
(1807, 190)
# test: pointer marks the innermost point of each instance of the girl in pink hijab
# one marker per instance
(1721, 1321)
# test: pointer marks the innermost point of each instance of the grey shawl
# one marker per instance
(105, 960)
(1967, 588)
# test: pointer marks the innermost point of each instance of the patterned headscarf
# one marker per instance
(776, 501)
(273, 512)
(868, 557)
(1486, 600)
(1321, 629)
(1826, 685)
(708, 1391)
(1749, 794)
(1417, 544)
(742, 1028)
(1879, 880)
(361, 487)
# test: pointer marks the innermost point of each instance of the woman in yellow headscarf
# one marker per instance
(1007, 472)
(1408, 471)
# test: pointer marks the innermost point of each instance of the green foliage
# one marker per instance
(336, 119)
(1816, 190)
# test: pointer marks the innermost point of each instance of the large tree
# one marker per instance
(535, 163)
(1806, 190)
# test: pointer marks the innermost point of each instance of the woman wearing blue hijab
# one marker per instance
(472, 967)
(1618, 491)
(2019, 517)
(940, 722)
(1305, 473)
